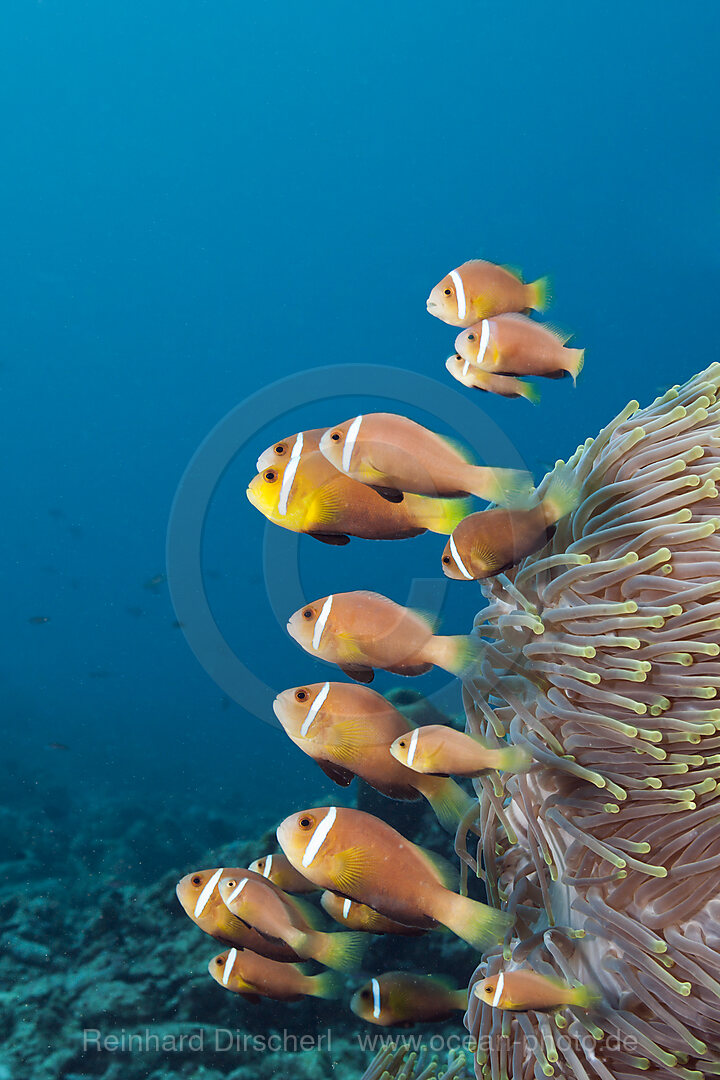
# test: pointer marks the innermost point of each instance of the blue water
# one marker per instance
(200, 199)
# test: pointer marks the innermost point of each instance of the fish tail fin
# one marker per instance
(562, 495)
(576, 362)
(440, 515)
(478, 924)
(342, 951)
(506, 487)
(585, 997)
(448, 800)
(515, 759)
(327, 985)
(456, 653)
(539, 294)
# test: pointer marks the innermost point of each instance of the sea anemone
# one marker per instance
(601, 658)
(400, 1063)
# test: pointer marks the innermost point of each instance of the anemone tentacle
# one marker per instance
(601, 659)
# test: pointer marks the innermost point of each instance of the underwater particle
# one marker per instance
(56, 746)
(479, 290)
(608, 850)
(153, 584)
(403, 997)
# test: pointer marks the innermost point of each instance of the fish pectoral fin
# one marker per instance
(483, 555)
(336, 539)
(358, 672)
(326, 504)
(391, 495)
(340, 776)
(350, 865)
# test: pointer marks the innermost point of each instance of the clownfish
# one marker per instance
(278, 869)
(243, 972)
(393, 454)
(524, 989)
(348, 730)
(443, 751)
(361, 857)
(200, 899)
(257, 902)
(476, 378)
(294, 446)
(515, 345)
(491, 541)
(361, 631)
(478, 290)
(360, 917)
(310, 496)
(401, 997)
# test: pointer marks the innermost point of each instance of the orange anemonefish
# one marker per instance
(401, 997)
(478, 290)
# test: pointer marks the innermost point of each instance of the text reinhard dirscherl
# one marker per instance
(226, 1040)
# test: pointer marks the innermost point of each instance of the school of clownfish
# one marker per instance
(381, 476)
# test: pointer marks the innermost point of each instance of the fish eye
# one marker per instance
(270, 476)
(489, 990)
(446, 560)
(335, 436)
(306, 822)
(279, 449)
(308, 613)
(471, 337)
(197, 880)
(219, 961)
(448, 292)
(401, 743)
(231, 883)
(301, 695)
(365, 994)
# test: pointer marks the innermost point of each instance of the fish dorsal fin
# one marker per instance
(457, 448)
(431, 620)
(340, 776)
(562, 335)
(515, 271)
(308, 912)
(445, 872)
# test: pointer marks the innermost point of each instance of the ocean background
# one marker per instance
(203, 199)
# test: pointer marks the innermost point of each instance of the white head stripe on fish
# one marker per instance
(237, 890)
(498, 990)
(484, 338)
(466, 368)
(315, 708)
(320, 624)
(268, 866)
(456, 556)
(413, 746)
(350, 440)
(347, 904)
(319, 837)
(207, 892)
(459, 293)
(289, 475)
(231, 956)
(376, 997)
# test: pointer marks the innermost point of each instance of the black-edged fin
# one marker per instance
(340, 776)
(336, 539)
(391, 495)
(411, 669)
(358, 673)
